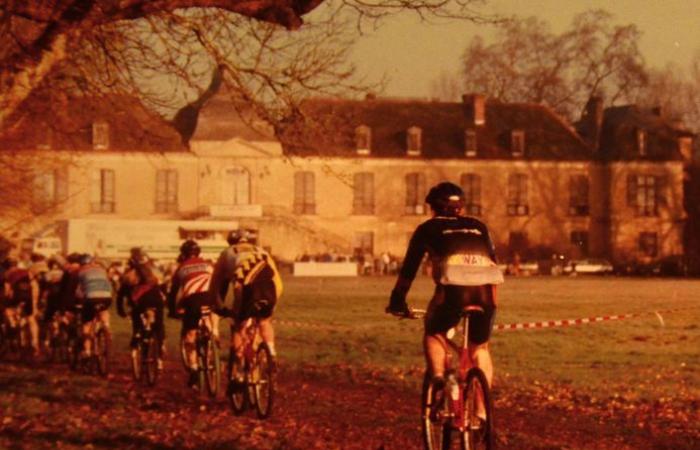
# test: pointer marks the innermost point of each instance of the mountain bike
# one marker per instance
(145, 354)
(101, 341)
(252, 378)
(207, 349)
(462, 408)
(58, 339)
(11, 329)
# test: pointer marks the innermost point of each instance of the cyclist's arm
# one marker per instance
(172, 293)
(218, 287)
(411, 263)
(122, 294)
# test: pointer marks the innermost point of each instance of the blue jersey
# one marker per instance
(94, 282)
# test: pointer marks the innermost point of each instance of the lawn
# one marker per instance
(637, 357)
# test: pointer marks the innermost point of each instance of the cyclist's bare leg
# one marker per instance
(267, 333)
(238, 339)
(103, 316)
(480, 356)
(434, 348)
(33, 328)
(88, 330)
(215, 318)
(190, 349)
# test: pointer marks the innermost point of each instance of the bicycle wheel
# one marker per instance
(236, 389)
(183, 354)
(150, 355)
(101, 349)
(212, 368)
(478, 426)
(136, 356)
(434, 425)
(264, 376)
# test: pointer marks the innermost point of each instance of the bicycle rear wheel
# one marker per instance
(264, 376)
(236, 390)
(151, 353)
(101, 348)
(212, 367)
(435, 427)
(478, 412)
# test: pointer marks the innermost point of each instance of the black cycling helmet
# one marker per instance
(85, 258)
(190, 248)
(237, 236)
(446, 198)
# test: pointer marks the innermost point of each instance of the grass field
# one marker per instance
(340, 322)
(637, 357)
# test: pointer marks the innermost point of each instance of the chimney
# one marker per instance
(476, 108)
(592, 121)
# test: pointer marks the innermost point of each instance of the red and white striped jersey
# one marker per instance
(192, 277)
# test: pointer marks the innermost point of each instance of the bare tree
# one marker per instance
(528, 62)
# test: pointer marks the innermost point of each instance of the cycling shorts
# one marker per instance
(192, 304)
(257, 300)
(447, 303)
(92, 306)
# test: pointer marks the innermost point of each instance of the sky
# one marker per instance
(412, 54)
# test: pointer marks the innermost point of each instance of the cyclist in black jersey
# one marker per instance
(464, 271)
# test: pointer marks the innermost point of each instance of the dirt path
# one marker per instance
(317, 408)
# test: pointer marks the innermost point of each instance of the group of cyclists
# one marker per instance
(78, 289)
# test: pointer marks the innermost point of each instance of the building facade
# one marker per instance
(353, 179)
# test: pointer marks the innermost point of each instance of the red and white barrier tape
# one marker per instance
(499, 327)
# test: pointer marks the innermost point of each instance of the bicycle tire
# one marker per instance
(212, 368)
(183, 354)
(101, 347)
(264, 387)
(478, 433)
(150, 355)
(236, 389)
(434, 427)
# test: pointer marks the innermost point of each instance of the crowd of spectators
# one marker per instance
(367, 263)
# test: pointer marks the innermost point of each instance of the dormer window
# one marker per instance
(414, 141)
(363, 140)
(685, 147)
(470, 143)
(517, 143)
(100, 135)
(641, 142)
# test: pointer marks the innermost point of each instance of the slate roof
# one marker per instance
(618, 139)
(326, 127)
(221, 119)
(65, 123)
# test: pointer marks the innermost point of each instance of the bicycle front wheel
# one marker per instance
(212, 367)
(478, 413)
(236, 390)
(434, 423)
(136, 352)
(102, 344)
(264, 376)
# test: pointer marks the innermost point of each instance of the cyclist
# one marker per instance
(139, 287)
(256, 287)
(189, 292)
(464, 272)
(95, 291)
(21, 300)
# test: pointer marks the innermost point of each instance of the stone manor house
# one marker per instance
(352, 175)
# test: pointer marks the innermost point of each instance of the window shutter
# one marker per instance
(61, 185)
(172, 188)
(661, 191)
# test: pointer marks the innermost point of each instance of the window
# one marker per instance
(470, 143)
(641, 142)
(304, 194)
(102, 192)
(517, 143)
(415, 193)
(471, 185)
(363, 140)
(166, 191)
(50, 188)
(100, 135)
(236, 186)
(363, 193)
(644, 194)
(364, 242)
(578, 195)
(648, 244)
(413, 141)
(517, 195)
(579, 241)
